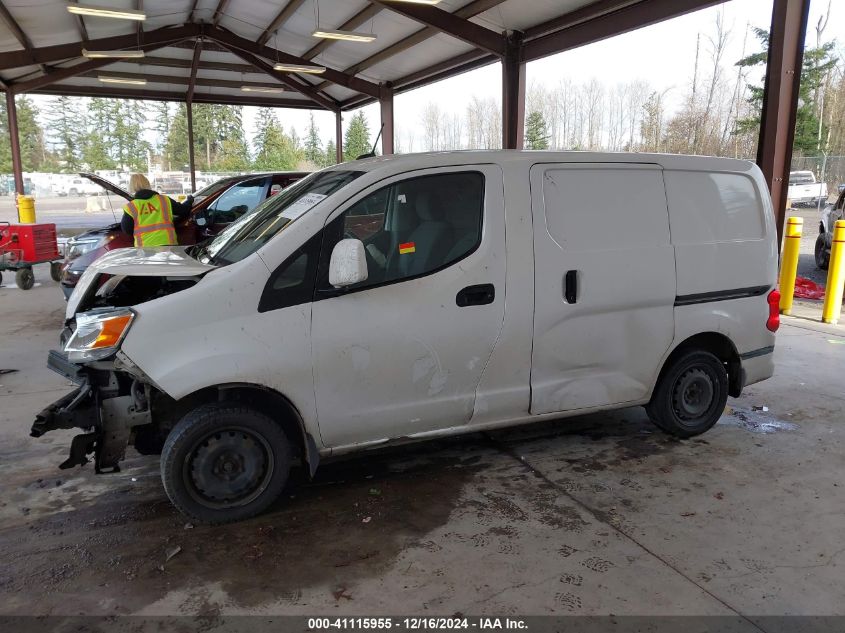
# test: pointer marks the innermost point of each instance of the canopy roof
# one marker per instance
(207, 51)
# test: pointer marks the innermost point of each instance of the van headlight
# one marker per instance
(98, 334)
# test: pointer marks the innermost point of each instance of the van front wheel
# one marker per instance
(690, 395)
(223, 462)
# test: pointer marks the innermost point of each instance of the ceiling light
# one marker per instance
(112, 54)
(351, 36)
(260, 89)
(293, 68)
(111, 79)
(106, 12)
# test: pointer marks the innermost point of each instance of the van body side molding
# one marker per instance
(721, 295)
(757, 352)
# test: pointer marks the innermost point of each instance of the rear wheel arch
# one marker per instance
(721, 347)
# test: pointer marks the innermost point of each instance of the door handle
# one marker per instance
(479, 295)
(570, 286)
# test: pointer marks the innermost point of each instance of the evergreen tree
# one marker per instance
(818, 62)
(313, 151)
(176, 144)
(96, 142)
(66, 132)
(330, 157)
(536, 133)
(5, 148)
(357, 139)
(233, 154)
(33, 150)
(275, 150)
(161, 126)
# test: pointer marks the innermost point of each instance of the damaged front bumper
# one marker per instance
(107, 405)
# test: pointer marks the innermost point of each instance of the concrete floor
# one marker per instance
(594, 515)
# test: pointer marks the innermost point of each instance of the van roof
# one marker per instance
(398, 162)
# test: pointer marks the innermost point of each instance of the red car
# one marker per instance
(221, 203)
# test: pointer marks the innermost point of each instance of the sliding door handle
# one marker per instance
(570, 286)
(480, 295)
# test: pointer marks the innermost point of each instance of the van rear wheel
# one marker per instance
(690, 395)
(223, 462)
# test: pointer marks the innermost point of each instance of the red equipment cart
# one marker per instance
(22, 246)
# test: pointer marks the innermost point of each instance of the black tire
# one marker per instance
(821, 252)
(224, 462)
(56, 271)
(691, 394)
(24, 278)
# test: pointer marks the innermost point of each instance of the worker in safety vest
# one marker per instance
(149, 216)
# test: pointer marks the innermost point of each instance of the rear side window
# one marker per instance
(713, 207)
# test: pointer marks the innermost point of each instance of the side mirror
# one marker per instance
(348, 264)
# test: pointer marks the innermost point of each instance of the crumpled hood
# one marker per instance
(161, 261)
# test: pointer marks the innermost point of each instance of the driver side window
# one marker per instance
(411, 228)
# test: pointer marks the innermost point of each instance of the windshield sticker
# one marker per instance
(407, 247)
(302, 205)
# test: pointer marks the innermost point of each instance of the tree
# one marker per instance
(33, 150)
(818, 63)
(536, 133)
(330, 157)
(66, 132)
(357, 139)
(96, 143)
(176, 143)
(313, 150)
(275, 150)
(233, 154)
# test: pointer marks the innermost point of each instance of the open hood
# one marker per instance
(162, 261)
(107, 185)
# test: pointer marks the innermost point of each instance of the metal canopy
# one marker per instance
(41, 46)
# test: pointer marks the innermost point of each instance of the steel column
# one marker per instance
(513, 94)
(386, 103)
(189, 110)
(338, 131)
(780, 99)
(15, 142)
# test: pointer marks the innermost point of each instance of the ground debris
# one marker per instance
(172, 552)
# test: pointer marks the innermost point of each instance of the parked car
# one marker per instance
(221, 203)
(830, 214)
(78, 186)
(419, 296)
(805, 190)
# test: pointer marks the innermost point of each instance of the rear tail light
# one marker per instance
(773, 322)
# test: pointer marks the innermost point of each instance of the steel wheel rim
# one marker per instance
(693, 395)
(229, 467)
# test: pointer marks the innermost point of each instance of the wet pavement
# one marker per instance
(599, 514)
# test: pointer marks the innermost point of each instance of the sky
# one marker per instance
(662, 54)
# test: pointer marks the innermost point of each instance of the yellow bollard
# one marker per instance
(789, 262)
(835, 275)
(26, 209)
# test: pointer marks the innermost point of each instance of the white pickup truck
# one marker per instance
(805, 190)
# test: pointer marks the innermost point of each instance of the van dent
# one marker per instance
(417, 296)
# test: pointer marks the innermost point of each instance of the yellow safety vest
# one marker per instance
(153, 219)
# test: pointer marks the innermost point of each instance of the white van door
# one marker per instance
(604, 284)
(403, 352)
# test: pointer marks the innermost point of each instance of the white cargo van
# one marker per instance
(416, 296)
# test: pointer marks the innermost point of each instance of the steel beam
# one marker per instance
(177, 96)
(195, 62)
(218, 12)
(15, 143)
(60, 52)
(17, 31)
(191, 11)
(387, 131)
(464, 30)
(623, 20)
(235, 42)
(60, 74)
(513, 94)
(189, 113)
(283, 16)
(172, 62)
(780, 99)
(470, 10)
(338, 133)
(186, 81)
(305, 89)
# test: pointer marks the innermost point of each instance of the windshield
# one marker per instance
(801, 179)
(214, 187)
(254, 229)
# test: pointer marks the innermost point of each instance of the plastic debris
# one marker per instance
(189, 526)
(172, 552)
(366, 519)
(807, 289)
